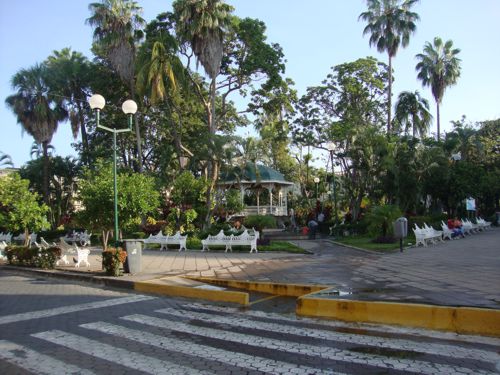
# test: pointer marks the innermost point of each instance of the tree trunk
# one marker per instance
(212, 164)
(137, 130)
(389, 98)
(438, 122)
(45, 172)
(83, 132)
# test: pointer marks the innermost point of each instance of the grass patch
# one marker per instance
(282, 246)
(364, 242)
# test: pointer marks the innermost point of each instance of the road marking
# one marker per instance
(115, 354)
(302, 349)
(375, 328)
(70, 309)
(262, 300)
(35, 362)
(249, 362)
(381, 342)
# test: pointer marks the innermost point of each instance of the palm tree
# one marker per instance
(5, 159)
(438, 67)
(412, 110)
(38, 112)
(390, 24)
(117, 25)
(70, 77)
(202, 24)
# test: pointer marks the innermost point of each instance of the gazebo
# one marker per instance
(259, 179)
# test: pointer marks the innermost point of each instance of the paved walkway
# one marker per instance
(463, 272)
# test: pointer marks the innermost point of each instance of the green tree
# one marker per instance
(390, 24)
(117, 28)
(438, 68)
(202, 24)
(347, 110)
(62, 184)
(38, 112)
(137, 197)
(412, 111)
(19, 207)
(70, 75)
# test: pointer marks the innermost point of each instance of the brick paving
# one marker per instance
(461, 272)
(82, 329)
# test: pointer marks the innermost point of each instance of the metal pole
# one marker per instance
(115, 189)
(334, 188)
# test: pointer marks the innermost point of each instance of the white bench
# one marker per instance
(423, 235)
(244, 239)
(6, 237)
(83, 238)
(163, 241)
(82, 257)
(447, 232)
(483, 223)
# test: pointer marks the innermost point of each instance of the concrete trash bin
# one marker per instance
(134, 255)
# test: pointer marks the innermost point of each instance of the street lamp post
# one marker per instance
(331, 147)
(129, 107)
(316, 181)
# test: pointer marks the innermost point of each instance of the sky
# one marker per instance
(314, 34)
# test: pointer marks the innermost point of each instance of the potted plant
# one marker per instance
(112, 260)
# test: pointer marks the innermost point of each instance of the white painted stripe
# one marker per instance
(381, 342)
(303, 349)
(114, 354)
(35, 362)
(207, 352)
(423, 333)
(70, 309)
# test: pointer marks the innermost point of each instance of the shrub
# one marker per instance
(112, 259)
(260, 222)
(380, 219)
(33, 257)
(193, 243)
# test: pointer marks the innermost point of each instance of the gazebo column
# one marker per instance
(270, 189)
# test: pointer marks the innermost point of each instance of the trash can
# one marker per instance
(400, 230)
(401, 227)
(134, 255)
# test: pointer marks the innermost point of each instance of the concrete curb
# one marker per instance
(279, 289)
(465, 320)
(191, 292)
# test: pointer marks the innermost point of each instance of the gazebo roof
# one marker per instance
(253, 174)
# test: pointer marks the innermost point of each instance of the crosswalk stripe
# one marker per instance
(114, 354)
(382, 342)
(303, 349)
(249, 362)
(70, 309)
(38, 363)
(382, 329)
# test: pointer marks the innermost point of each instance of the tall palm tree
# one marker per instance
(438, 67)
(117, 27)
(390, 24)
(70, 77)
(412, 110)
(202, 24)
(38, 112)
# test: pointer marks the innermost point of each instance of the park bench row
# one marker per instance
(428, 235)
(247, 238)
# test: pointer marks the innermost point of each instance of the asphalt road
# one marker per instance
(48, 326)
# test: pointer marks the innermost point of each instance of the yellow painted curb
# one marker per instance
(279, 289)
(467, 320)
(189, 292)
